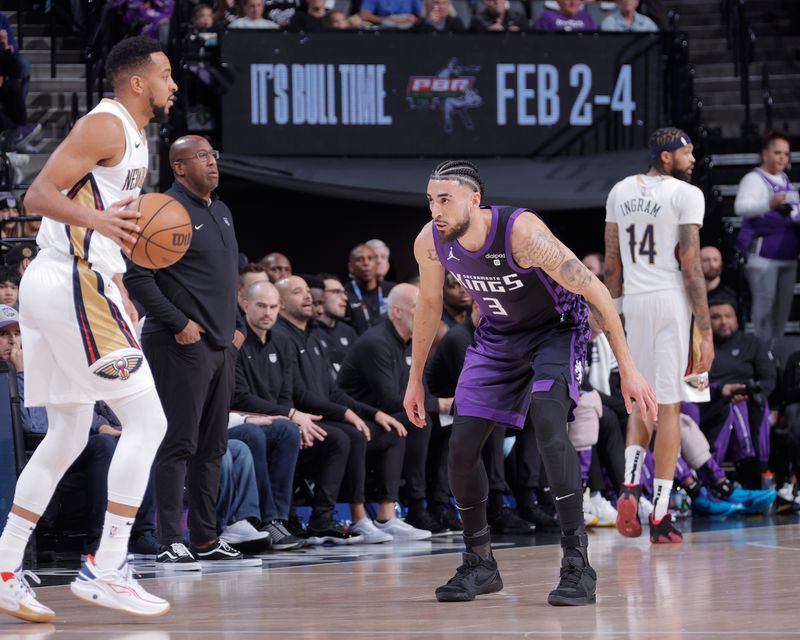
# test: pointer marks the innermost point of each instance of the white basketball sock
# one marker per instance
(15, 538)
(114, 542)
(634, 459)
(661, 492)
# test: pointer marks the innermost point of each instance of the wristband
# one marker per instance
(617, 302)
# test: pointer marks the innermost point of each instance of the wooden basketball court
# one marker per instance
(732, 583)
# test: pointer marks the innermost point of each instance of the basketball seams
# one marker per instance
(162, 247)
(144, 248)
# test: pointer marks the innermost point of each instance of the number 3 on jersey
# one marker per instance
(495, 306)
(647, 245)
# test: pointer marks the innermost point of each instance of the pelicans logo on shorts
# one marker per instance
(121, 368)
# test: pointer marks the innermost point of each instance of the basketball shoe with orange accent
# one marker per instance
(18, 599)
(116, 589)
(663, 531)
(628, 523)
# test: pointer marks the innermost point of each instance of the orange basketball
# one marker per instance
(166, 231)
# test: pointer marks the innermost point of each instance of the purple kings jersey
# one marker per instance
(512, 299)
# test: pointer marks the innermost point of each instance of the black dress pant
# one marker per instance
(195, 384)
(416, 459)
(436, 466)
(383, 454)
(325, 463)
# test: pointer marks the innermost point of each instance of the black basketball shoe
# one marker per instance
(507, 521)
(577, 585)
(474, 577)
(664, 532)
(536, 515)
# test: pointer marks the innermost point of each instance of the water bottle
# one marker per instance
(767, 484)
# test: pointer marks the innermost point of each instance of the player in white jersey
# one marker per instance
(652, 241)
(78, 332)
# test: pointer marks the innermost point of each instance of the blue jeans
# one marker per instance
(238, 493)
(275, 449)
(25, 75)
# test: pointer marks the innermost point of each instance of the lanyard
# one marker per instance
(358, 294)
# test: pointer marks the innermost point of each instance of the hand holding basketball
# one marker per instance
(118, 223)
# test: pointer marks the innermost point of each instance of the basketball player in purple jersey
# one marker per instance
(527, 357)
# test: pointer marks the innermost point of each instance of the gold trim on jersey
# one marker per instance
(85, 193)
(102, 326)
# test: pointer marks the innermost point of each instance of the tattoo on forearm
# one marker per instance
(692, 272)
(598, 316)
(575, 275)
(432, 255)
(612, 265)
(542, 250)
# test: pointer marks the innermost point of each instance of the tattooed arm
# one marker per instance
(533, 245)
(426, 321)
(695, 286)
(612, 264)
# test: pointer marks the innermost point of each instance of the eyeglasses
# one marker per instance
(336, 292)
(202, 156)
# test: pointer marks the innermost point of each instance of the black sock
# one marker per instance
(480, 544)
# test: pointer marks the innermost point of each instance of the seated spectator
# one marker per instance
(382, 253)
(571, 16)
(30, 228)
(237, 502)
(9, 285)
(249, 274)
(252, 17)
(20, 255)
(310, 20)
(700, 475)
(333, 333)
(366, 294)
(375, 371)
(785, 458)
(626, 18)
(315, 286)
(770, 235)
(89, 473)
(265, 371)
(439, 16)
(494, 16)
(743, 375)
(202, 17)
(375, 437)
(225, 12)
(277, 266)
(13, 113)
(282, 11)
(24, 63)
(336, 21)
(711, 263)
(456, 306)
(398, 14)
(149, 17)
(8, 214)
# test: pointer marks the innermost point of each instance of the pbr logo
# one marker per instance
(451, 91)
(120, 369)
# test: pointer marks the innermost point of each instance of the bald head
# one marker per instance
(185, 147)
(296, 303)
(277, 266)
(711, 263)
(261, 305)
(402, 301)
(198, 173)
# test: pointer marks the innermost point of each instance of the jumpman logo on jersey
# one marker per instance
(452, 256)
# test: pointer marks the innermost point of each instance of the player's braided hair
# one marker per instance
(461, 171)
(660, 138)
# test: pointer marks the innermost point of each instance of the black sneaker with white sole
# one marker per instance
(282, 540)
(176, 557)
(332, 532)
(222, 552)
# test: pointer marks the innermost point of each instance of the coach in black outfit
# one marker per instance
(190, 339)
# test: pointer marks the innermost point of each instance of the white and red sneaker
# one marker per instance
(116, 589)
(18, 599)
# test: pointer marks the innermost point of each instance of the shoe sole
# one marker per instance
(561, 601)
(239, 562)
(136, 614)
(628, 523)
(318, 540)
(179, 566)
(666, 540)
(447, 596)
(29, 615)
(287, 547)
